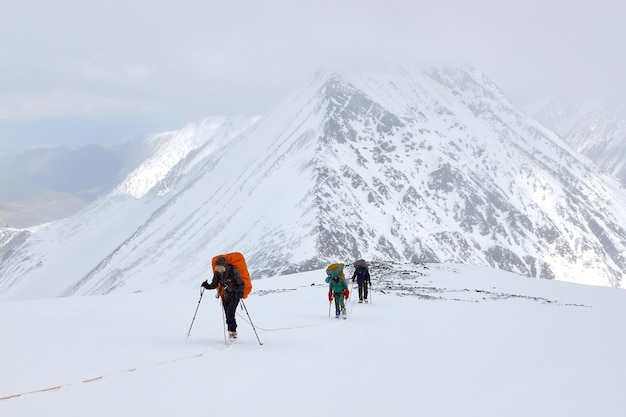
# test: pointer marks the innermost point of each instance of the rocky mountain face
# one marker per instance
(596, 130)
(412, 165)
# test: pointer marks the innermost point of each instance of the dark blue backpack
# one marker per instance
(362, 274)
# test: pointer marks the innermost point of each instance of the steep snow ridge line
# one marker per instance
(111, 277)
(173, 147)
(108, 282)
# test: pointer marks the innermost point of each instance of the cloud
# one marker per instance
(116, 73)
(188, 59)
(58, 103)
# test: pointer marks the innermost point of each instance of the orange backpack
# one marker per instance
(237, 260)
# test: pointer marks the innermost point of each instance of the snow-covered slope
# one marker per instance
(422, 164)
(440, 340)
(42, 261)
(173, 153)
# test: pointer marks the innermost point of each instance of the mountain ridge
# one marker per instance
(420, 165)
(596, 130)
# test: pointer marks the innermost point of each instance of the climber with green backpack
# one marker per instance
(337, 288)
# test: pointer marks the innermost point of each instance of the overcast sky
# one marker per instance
(77, 71)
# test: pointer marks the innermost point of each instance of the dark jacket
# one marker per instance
(362, 275)
(229, 283)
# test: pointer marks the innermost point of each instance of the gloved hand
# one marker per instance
(205, 284)
(330, 296)
(346, 293)
(352, 279)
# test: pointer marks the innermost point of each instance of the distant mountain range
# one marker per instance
(429, 164)
(596, 130)
(48, 184)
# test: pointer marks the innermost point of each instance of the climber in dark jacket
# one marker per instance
(363, 279)
(229, 284)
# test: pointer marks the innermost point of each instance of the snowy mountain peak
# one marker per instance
(419, 164)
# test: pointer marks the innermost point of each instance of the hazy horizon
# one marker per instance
(77, 73)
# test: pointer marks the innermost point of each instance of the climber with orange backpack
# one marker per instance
(230, 287)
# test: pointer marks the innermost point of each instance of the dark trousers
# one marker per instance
(363, 291)
(230, 307)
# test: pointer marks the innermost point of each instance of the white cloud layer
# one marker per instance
(165, 63)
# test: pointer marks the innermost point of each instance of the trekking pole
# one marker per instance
(352, 290)
(223, 312)
(252, 324)
(329, 304)
(352, 294)
(196, 312)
